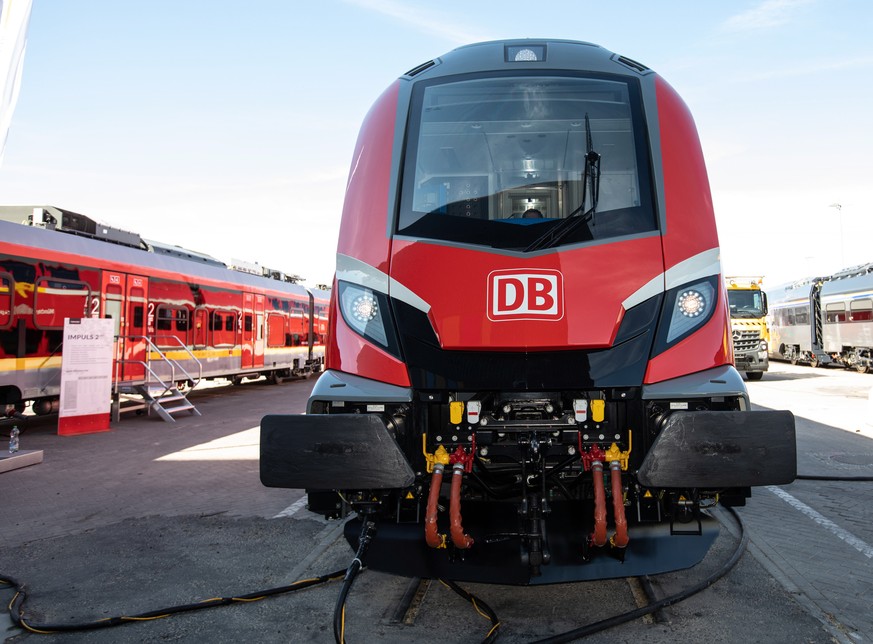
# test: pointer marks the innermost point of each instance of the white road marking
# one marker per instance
(858, 544)
(293, 508)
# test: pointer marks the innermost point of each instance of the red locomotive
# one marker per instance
(529, 342)
(178, 314)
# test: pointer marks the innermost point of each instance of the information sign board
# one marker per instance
(86, 375)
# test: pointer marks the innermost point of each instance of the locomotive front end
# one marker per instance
(529, 372)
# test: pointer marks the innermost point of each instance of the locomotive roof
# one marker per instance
(518, 55)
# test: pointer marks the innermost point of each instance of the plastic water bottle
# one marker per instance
(13, 440)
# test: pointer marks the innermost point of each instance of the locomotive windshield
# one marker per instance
(502, 161)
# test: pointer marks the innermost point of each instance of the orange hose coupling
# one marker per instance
(460, 539)
(433, 538)
(599, 537)
(620, 538)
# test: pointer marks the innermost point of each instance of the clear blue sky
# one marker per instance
(228, 127)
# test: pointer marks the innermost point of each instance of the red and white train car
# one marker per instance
(529, 300)
(166, 302)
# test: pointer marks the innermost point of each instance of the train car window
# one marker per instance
(801, 315)
(164, 319)
(835, 313)
(486, 151)
(21, 272)
(176, 321)
(248, 323)
(7, 288)
(70, 274)
(862, 311)
(56, 299)
(222, 328)
(778, 316)
(113, 310)
(275, 330)
(138, 316)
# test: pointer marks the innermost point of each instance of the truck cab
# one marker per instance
(749, 332)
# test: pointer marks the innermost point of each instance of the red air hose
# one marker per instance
(460, 539)
(599, 538)
(620, 538)
(431, 535)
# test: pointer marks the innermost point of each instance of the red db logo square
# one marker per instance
(529, 294)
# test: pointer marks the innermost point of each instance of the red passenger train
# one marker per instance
(178, 314)
(529, 303)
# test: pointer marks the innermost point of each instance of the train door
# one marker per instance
(260, 326)
(252, 329)
(201, 327)
(125, 301)
(135, 329)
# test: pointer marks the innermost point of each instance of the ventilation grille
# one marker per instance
(634, 65)
(417, 70)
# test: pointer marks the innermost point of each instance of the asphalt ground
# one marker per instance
(151, 515)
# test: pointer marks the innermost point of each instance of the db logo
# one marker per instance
(532, 294)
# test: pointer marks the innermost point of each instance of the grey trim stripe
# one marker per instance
(702, 265)
(400, 292)
(350, 269)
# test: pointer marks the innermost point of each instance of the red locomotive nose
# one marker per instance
(529, 290)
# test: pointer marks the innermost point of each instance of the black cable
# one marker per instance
(605, 624)
(812, 477)
(368, 531)
(16, 606)
(481, 607)
(602, 625)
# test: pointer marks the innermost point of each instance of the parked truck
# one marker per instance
(748, 309)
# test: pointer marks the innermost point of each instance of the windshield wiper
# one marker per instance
(590, 181)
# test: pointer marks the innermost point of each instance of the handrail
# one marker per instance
(186, 349)
(157, 378)
(173, 364)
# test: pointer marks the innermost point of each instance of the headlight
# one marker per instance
(685, 309)
(366, 312)
(763, 345)
(692, 306)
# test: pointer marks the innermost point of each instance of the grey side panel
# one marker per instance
(720, 381)
(337, 385)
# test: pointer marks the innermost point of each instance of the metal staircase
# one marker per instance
(158, 392)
